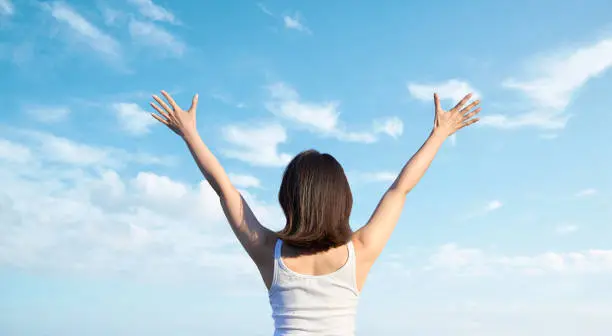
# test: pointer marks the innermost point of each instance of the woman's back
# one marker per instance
(314, 294)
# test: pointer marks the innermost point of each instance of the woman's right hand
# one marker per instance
(448, 122)
(179, 121)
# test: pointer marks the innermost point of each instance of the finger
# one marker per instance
(437, 101)
(160, 119)
(471, 114)
(462, 102)
(163, 104)
(159, 110)
(468, 123)
(470, 107)
(194, 103)
(170, 100)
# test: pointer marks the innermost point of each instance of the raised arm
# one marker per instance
(252, 235)
(374, 235)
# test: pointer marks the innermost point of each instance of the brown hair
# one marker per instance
(316, 199)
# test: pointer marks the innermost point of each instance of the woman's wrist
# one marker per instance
(189, 134)
(438, 134)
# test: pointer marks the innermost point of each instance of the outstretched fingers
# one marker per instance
(162, 104)
(437, 102)
(160, 119)
(462, 102)
(468, 123)
(170, 100)
(471, 114)
(470, 107)
(160, 111)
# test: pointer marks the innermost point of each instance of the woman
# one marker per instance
(314, 268)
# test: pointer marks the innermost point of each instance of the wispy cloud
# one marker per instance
(264, 9)
(83, 30)
(133, 119)
(473, 261)
(484, 209)
(256, 144)
(324, 117)
(586, 192)
(392, 126)
(48, 114)
(566, 229)
(295, 22)
(381, 176)
(152, 11)
(227, 99)
(245, 181)
(49, 148)
(112, 16)
(553, 86)
(451, 90)
(154, 36)
(493, 205)
(6, 8)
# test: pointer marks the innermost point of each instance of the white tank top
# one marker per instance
(314, 304)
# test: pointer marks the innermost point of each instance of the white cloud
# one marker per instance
(294, 22)
(6, 8)
(245, 181)
(66, 151)
(553, 85)
(472, 261)
(154, 36)
(544, 120)
(257, 144)
(392, 126)
(381, 176)
(453, 90)
(323, 117)
(85, 31)
(452, 257)
(586, 192)
(106, 222)
(49, 148)
(133, 119)
(150, 10)
(48, 114)
(14, 152)
(493, 205)
(566, 229)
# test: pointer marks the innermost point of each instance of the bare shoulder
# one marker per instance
(264, 256)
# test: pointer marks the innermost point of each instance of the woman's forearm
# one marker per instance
(418, 164)
(208, 163)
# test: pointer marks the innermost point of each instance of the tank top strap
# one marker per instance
(352, 269)
(277, 262)
(278, 249)
(351, 250)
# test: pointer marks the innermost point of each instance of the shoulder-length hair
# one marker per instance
(316, 198)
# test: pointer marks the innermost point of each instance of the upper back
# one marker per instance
(314, 293)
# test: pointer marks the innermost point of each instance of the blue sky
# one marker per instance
(107, 229)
